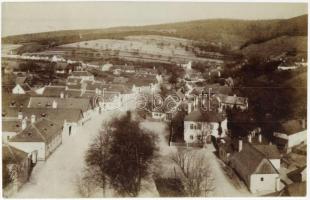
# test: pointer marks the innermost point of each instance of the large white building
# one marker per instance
(200, 126)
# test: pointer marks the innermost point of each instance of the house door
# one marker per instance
(70, 130)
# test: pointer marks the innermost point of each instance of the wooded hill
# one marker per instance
(230, 34)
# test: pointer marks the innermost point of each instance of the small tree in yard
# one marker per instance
(194, 172)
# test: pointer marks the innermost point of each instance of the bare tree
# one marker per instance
(194, 172)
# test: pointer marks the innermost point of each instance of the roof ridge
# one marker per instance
(263, 155)
(38, 132)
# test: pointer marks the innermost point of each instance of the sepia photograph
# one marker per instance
(115, 99)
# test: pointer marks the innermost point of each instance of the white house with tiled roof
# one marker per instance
(256, 170)
(199, 126)
(43, 136)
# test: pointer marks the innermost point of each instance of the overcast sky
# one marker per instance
(19, 18)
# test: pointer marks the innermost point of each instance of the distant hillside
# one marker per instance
(273, 47)
(228, 33)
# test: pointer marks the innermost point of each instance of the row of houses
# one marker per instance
(36, 122)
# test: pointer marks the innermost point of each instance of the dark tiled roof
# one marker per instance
(20, 79)
(291, 127)
(53, 91)
(62, 103)
(11, 126)
(74, 80)
(73, 93)
(293, 175)
(250, 161)
(56, 115)
(9, 100)
(74, 87)
(12, 155)
(199, 116)
(43, 130)
(269, 151)
(25, 87)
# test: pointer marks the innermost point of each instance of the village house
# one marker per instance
(73, 81)
(83, 75)
(226, 101)
(54, 91)
(227, 146)
(84, 104)
(255, 169)
(70, 119)
(43, 136)
(199, 126)
(21, 89)
(18, 168)
(291, 133)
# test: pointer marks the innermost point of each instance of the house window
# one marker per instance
(191, 137)
(199, 137)
(199, 126)
(261, 179)
(192, 126)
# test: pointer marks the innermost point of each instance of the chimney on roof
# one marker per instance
(33, 119)
(54, 104)
(20, 116)
(189, 108)
(240, 145)
(24, 123)
(260, 138)
(83, 87)
(62, 95)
